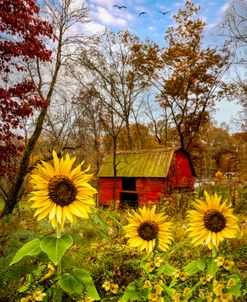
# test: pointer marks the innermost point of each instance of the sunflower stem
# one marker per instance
(59, 266)
(214, 255)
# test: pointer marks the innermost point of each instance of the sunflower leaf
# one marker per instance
(70, 284)
(56, 247)
(130, 293)
(84, 276)
(192, 268)
(212, 267)
(166, 269)
(31, 248)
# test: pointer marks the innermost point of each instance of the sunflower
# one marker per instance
(146, 228)
(211, 222)
(61, 192)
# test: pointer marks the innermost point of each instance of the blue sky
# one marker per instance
(154, 25)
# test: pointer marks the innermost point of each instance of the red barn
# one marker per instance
(145, 175)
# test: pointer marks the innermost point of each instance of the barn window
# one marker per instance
(128, 184)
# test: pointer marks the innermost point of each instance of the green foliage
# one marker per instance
(31, 248)
(56, 247)
(99, 254)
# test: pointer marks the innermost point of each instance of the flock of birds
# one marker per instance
(141, 13)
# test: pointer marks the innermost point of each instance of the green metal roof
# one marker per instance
(143, 163)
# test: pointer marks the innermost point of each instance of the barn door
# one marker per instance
(128, 199)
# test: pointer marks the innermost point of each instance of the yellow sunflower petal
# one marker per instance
(145, 226)
(211, 222)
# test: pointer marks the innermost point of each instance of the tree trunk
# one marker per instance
(13, 196)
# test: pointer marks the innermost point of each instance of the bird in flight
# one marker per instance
(119, 7)
(142, 13)
(164, 13)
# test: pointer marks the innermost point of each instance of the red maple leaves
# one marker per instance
(22, 39)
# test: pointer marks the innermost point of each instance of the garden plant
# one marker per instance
(78, 252)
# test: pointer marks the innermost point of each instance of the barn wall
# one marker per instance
(180, 173)
(149, 189)
(106, 190)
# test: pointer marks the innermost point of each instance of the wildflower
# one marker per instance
(106, 285)
(228, 264)
(61, 193)
(153, 297)
(201, 294)
(26, 299)
(209, 297)
(158, 289)
(226, 297)
(211, 222)
(147, 284)
(203, 280)
(218, 289)
(208, 277)
(186, 291)
(176, 273)
(231, 282)
(183, 276)
(38, 295)
(146, 227)
(114, 288)
(220, 261)
(177, 297)
(158, 261)
(150, 267)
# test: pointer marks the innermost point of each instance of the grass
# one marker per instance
(100, 248)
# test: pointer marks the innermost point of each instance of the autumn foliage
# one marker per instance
(22, 40)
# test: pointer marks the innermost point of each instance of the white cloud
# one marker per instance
(93, 27)
(103, 3)
(225, 7)
(105, 17)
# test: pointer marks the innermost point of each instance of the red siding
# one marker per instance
(180, 173)
(106, 190)
(149, 189)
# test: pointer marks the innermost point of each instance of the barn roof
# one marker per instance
(141, 163)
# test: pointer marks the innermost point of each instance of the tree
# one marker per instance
(193, 76)
(64, 16)
(22, 40)
(112, 61)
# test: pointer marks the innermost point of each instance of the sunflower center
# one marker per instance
(148, 230)
(214, 221)
(62, 190)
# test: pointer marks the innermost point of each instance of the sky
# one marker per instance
(153, 24)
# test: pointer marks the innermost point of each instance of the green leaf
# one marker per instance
(25, 283)
(84, 276)
(212, 267)
(56, 247)
(168, 290)
(130, 293)
(192, 268)
(173, 282)
(143, 263)
(70, 284)
(201, 265)
(236, 289)
(31, 248)
(166, 269)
